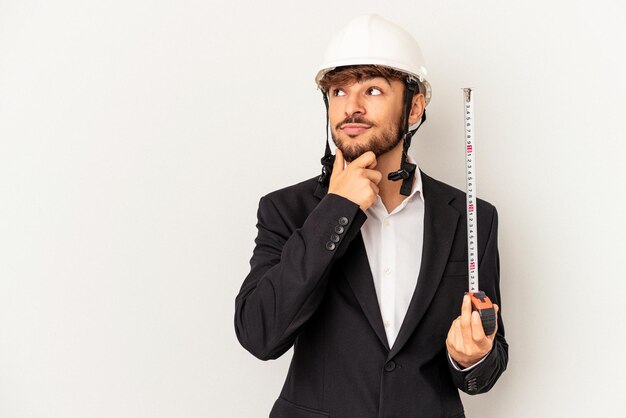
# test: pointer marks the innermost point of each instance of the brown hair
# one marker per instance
(342, 76)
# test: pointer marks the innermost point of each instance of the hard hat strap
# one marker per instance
(328, 159)
(407, 169)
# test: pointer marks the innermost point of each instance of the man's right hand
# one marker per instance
(357, 182)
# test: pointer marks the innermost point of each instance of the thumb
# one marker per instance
(338, 165)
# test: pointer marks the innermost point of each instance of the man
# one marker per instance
(363, 274)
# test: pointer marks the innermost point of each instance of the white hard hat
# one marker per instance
(370, 39)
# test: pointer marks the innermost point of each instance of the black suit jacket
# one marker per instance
(319, 296)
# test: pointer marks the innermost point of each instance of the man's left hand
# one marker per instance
(467, 342)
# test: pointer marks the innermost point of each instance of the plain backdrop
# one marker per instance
(137, 137)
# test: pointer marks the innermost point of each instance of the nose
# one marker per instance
(354, 104)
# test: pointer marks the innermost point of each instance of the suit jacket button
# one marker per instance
(334, 238)
(330, 245)
(339, 229)
(343, 221)
(390, 366)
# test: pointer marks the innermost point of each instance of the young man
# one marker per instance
(363, 274)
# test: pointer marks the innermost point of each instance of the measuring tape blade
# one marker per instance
(470, 178)
(480, 301)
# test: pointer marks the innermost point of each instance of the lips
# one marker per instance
(354, 128)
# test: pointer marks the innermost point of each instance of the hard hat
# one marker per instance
(371, 39)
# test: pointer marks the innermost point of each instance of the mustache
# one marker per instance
(355, 119)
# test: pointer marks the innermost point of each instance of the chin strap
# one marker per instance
(328, 160)
(406, 173)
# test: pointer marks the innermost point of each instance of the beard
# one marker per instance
(380, 143)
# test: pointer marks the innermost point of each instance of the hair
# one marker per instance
(348, 74)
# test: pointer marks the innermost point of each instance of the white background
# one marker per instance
(136, 139)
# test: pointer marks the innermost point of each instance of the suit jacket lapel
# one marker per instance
(440, 221)
(358, 273)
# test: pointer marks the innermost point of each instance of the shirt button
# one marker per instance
(343, 221)
(330, 245)
(386, 222)
(387, 270)
(339, 229)
(390, 365)
(386, 323)
(334, 238)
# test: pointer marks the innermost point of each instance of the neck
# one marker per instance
(389, 191)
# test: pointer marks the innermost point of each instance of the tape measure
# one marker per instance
(480, 301)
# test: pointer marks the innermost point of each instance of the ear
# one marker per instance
(417, 108)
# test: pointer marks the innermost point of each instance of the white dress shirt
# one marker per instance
(393, 243)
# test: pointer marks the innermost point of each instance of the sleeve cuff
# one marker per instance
(457, 366)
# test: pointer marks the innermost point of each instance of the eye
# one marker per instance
(374, 91)
(338, 92)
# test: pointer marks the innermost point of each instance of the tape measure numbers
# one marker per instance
(480, 301)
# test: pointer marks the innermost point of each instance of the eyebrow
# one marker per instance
(363, 80)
